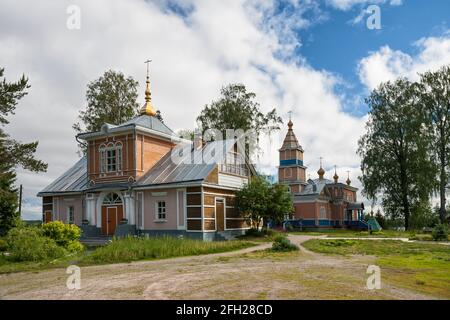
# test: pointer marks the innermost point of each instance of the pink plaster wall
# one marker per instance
(64, 203)
(150, 213)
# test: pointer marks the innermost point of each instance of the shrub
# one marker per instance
(28, 244)
(282, 244)
(62, 233)
(3, 245)
(264, 232)
(75, 246)
(440, 232)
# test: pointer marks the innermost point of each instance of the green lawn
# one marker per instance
(129, 249)
(417, 266)
(354, 234)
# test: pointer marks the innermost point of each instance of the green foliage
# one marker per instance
(28, 244)
(132, 249)
(282, 244)
(63, 234)
(3, 245)
(259, 201)
(12, 153)
(396, 150)
(424, 217)
(440, 233)
(236, 109)
(110, 99)
(264, 232)
(75, 246)
(435, 99)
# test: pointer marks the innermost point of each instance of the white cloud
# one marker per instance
(215, 43)
(388, 64)
(349, 4)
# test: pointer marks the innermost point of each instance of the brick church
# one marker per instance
(319, 203)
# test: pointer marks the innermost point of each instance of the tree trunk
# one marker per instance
(442, 185)
(405, 202)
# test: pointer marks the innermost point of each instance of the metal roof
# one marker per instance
(148, 122)
(73, 180)
(184, 164)
(192, 166)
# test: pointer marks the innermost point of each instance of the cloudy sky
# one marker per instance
(315, 58)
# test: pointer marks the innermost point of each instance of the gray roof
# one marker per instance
(148, 122)
(188, 166)
(73, 180)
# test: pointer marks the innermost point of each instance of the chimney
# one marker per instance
(198, 140)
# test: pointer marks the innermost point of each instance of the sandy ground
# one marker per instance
(243, 274)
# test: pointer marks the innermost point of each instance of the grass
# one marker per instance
(354, 234)
(7, 266)
(417, 266)
(127, 250)
(134, 249)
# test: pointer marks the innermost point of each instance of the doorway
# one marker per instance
(220, 214)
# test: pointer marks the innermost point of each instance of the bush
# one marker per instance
(440, 233)
(3, 245)
(28, 244)
(75, 246)
(62, 233)
(282, 244)
(264, 232)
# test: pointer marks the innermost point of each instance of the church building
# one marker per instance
(319, 203)
(140, 178)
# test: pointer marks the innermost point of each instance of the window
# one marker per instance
(323, 213)
(112, 198)
(111, 157)
(70, 215)
(161, 210)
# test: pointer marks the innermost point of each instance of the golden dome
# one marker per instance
(147, 108)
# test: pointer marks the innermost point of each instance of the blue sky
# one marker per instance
(304, 56)
(336, 44)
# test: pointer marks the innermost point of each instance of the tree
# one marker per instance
(236, 109)
(280, 202)
(13, 153)
(258, 201)
(110, 99)
(435, 88)
(395, 150)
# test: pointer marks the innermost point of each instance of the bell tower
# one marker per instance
(291, 170)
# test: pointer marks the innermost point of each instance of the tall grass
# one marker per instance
(133, 249)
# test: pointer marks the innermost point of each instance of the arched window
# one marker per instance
(110, 157)
(112, 198)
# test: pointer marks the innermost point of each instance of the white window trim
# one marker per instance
(157, 219)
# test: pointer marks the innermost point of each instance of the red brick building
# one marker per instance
(319, 203)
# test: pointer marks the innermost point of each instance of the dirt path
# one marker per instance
(245, 274)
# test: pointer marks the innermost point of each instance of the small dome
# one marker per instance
(321, 172)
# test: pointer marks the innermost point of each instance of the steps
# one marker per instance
(96, 241)
(224, 236)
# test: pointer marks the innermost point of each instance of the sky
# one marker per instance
(318, 59)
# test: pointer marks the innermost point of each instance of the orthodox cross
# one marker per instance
(148, 62)
(290, 115)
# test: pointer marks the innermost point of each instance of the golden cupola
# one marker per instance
(321, 171)
(335, 177)
(147, 108)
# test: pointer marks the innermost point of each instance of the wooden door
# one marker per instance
(220, 214)
(111, 217)
(48, 217)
